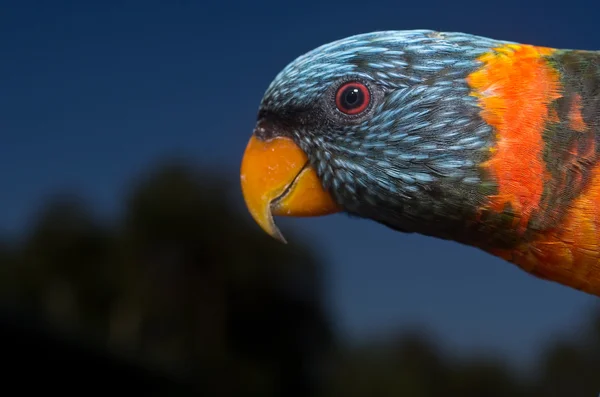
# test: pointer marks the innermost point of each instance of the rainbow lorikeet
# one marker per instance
(488, 143)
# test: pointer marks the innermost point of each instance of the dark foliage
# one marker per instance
(182, 295)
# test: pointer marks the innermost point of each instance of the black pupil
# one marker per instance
(352, 97)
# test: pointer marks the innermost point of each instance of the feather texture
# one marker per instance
(485, 142)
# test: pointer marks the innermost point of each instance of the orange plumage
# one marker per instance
(520, 90)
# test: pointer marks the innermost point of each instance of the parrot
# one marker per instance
(484, 142)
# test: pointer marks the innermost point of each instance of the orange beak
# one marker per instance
(277, 180)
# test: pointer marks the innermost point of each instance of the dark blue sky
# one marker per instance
(93, 93)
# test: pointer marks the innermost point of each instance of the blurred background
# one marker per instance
(128, 261)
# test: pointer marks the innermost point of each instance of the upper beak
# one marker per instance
(277, 180)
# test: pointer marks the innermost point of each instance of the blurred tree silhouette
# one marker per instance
(573, 367)
(183, 282)
(412, 365)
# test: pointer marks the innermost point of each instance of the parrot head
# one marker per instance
(379, 125)
(448, 135)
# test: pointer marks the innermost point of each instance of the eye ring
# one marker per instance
(352, 98)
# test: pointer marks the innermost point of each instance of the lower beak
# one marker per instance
(277, 180)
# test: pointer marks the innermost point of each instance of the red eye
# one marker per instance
(352, 98)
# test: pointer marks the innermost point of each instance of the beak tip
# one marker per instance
(263, 216)
(273, 231)
(280, 238)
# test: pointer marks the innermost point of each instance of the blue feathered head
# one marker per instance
(387, 122)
